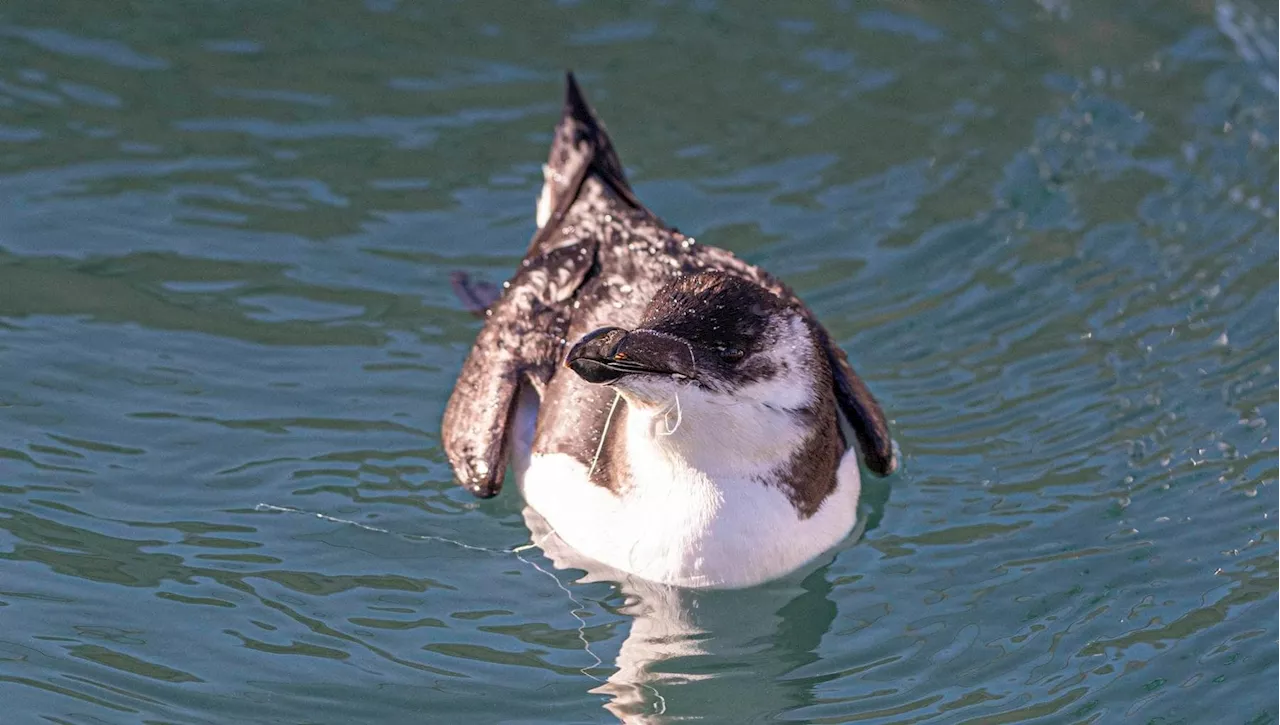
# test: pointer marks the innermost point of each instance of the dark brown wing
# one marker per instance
(521, 343)
(524, 332)
(861, 410)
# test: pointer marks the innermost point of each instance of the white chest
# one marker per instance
(679, 526)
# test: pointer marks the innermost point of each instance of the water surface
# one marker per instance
(1046, 234)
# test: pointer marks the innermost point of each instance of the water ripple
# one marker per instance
(1044, 233)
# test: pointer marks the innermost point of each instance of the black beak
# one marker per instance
(609, 353)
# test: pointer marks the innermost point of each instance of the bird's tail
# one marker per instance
(581, 148)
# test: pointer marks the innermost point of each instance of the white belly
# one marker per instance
(680, 528)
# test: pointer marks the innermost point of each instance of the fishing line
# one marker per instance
(607, 421)
(517, 552)
(669, 429)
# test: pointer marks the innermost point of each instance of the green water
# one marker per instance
(1045, 232)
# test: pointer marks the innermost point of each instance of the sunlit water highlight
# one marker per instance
(1045, 232)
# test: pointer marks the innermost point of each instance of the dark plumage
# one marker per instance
(600, 261)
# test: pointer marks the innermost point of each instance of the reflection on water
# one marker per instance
(683, 641)
(1045, 232)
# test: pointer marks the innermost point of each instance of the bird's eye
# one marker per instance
(730, 354)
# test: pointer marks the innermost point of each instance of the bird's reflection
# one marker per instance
(698, 651)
